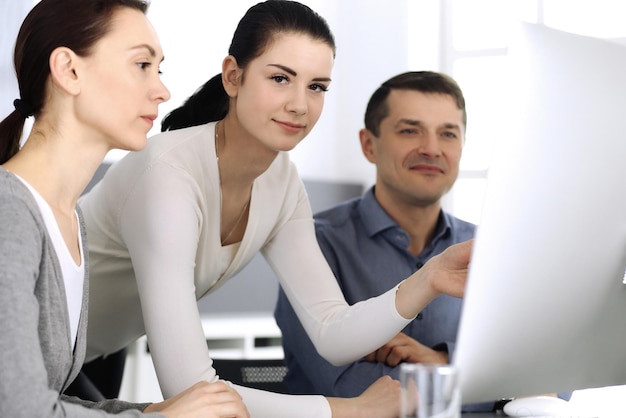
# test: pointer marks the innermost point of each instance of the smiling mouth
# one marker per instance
(290, 127)
(426, 169)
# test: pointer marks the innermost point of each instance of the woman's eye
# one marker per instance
(281, 79)
(319, 87)
(145, 65)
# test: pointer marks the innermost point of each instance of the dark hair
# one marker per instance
(254, 33)
(422, 81)
(75, 24)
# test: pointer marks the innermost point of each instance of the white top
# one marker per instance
(162, 207)
(73, 274)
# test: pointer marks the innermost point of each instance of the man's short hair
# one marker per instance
(423, 81)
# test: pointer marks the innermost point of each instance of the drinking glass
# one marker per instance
(429, 391)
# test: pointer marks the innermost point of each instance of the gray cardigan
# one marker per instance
(36, 359)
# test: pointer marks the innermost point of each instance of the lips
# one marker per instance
(149, 118)
(290, 126)
(427, 168)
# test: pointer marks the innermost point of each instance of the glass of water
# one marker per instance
(430, 391)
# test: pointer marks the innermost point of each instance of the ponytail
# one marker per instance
(208, 104)
(11, 129)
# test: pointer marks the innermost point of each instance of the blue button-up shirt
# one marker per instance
(367, 251)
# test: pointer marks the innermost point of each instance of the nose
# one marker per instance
(429, 145)
(297, 102)
(161, 92)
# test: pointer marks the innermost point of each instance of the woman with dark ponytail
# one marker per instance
(88, 72)
(171, 223)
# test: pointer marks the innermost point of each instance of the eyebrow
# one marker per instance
(294, 73)
(414, 122)
(149, 48)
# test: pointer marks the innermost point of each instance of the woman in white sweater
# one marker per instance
(173, 222)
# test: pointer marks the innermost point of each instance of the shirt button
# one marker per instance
(419, 265)
(419, 316)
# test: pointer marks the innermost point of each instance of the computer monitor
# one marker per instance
(545, 304)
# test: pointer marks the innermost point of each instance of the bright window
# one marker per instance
(473, 50)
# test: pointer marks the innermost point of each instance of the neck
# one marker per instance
(242, 156)
(58, 169)
(418, 221)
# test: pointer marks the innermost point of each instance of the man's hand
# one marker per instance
(403, 348)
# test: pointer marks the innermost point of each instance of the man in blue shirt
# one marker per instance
(414, 134)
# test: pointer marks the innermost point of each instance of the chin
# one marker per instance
(289, 144)
(136, 145)
(287, 148)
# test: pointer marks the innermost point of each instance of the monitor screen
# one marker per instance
(545, 305)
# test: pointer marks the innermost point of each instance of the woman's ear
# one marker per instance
(367, 139)
(231, 76)
(63, 63)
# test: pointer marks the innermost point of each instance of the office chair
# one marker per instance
(264, 374)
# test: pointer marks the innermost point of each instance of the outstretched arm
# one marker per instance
(311, 373)
(344, 333)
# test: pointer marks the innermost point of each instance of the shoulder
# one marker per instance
(461, 229)
(337, 216)
(207, 129)
(195, 141)
(21, 224)
(15, 199)
(281, 178)
(171, 148)
(172, 162)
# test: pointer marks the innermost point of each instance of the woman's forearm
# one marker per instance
(445, 273)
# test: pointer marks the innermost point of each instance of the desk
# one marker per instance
(604, 402)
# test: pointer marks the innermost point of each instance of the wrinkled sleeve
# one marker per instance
(263, 404)
(160, 223)
(343, 381)
(340, 333)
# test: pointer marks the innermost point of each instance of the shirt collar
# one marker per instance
(376, 219)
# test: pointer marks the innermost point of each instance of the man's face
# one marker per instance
(418, 149)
